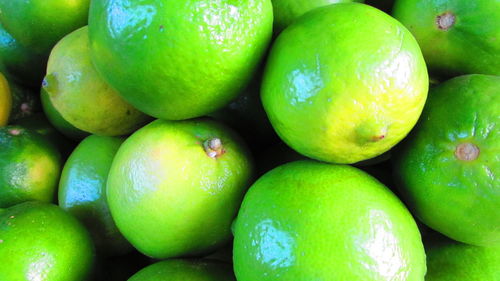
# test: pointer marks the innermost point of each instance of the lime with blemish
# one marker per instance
(79, 94)
(448, 169)
(344, 83)
(29, 166)
(456, 36)
(175, 187)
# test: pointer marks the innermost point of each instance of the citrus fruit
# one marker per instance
(39, 24)
(447, 168)
(55, 118)
(456, 36)
(448, 260)
(308, 220)
(29, 167)
(79, 94)
(18, 61)
(39, 241)
(82, 191)
(179, 59)
(175, 186)
(342, 92)
(181, 270)
(286, 12)
(5, 101)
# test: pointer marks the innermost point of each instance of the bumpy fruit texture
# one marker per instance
(344, 83)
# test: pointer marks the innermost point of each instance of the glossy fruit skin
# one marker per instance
(20, 62)
(82, 191)
(55, 118)
(198, 54)
(81, 96)
(470, 45)
(39, 241)
(341, 92)
(458, 198)
(286, 12)
(39, 24)
(29, 167)
(182, 270)
(307, 220)
(162, 169)
(5, 101)
(448, 260)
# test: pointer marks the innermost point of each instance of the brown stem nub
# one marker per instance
(15, 131)
(213, 147)
(467, 151)
(445, 21)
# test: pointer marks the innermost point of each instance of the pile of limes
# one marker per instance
(250, 140)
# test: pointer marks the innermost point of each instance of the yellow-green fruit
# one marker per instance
(41, 242)
(344, 83)
(286, 11)
(29, 167)
(308, 220)
(175, 187)
(81, 96)
(186, 270)
(179, 59)
(5, 101)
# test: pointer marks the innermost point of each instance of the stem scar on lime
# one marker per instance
(467, 151)
(445, 20)
(213, 147)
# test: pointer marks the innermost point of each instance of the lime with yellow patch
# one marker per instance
(286, 12)
(175, 187)
(181, 270)
(344, 83)
(29, 167)
(40, 241)
(81, 96)
(179, 59)
(5, 101)
(308, 220)
(447, 169)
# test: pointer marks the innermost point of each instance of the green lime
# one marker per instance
(29, 167)
(25, 102)
(286, 12)
(456, 37)
(447, 168)
(58, 121)
(179, 59)
(448, 260)
(195, 171)
(182, 270)
(39, 24)
(82, 191)
(39, 241)
(342, 92)
(308, 220)
(19, 62)
(79, 94)
(5, 101)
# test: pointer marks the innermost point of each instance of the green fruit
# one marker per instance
(307, 220)
(342, 92)
(82, 191)
(182, 270)
(456, 36)
(20, 62)
(447, 168)
(79, 94)
(175, 186)
(58, 121)
(451, 261)
(179, 59)
(5, 101)
(29, 167)
(39, 241)
(39, 24)
(286, 12)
